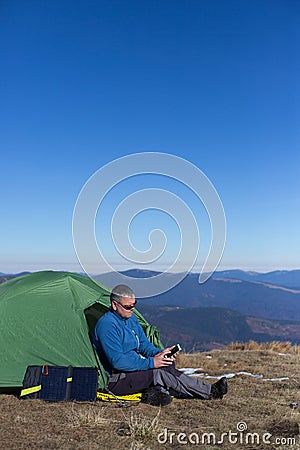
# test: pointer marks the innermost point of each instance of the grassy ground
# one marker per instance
(259, 407)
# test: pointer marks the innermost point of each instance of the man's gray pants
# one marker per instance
(169, 378)
(181, 383)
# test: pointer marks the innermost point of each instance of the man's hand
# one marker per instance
(160, 360)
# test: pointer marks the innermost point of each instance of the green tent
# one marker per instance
(46, 319)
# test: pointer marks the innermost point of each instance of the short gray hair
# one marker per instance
(119, 291)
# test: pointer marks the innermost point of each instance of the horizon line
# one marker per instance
(78, 271)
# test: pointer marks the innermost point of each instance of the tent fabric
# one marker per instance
(46, 318)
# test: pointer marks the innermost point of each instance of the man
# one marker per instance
(134, 364)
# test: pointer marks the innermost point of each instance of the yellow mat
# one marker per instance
(115, 398)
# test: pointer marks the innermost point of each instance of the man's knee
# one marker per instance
(172, 369)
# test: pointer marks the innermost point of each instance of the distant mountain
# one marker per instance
(14, 275)
(285, 278)
(139, 273)
(250, 298)
(256, 298)
(202, 329)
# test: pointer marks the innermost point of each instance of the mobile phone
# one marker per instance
(174, 350)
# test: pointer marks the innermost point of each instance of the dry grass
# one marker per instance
(264, 406)
(140, 426)
(274, 346)
(89, 417)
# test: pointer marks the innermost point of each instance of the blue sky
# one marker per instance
(213, 82)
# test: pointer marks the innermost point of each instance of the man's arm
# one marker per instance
(118, 357)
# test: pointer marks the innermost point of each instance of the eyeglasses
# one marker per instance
(127, 307)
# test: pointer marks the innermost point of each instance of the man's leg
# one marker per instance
(171, 378)
(130, 382)
(166, 377)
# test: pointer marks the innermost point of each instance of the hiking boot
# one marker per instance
(219, 388)
(156, 396)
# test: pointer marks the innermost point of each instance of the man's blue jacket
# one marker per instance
(122, 344)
